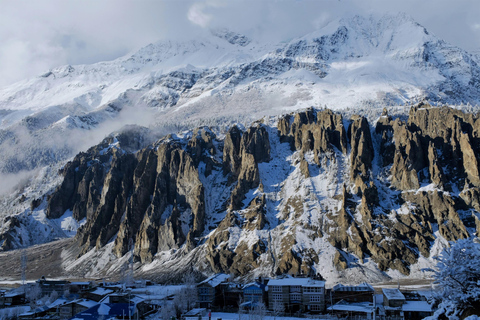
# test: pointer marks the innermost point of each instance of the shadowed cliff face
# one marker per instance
(262, 198)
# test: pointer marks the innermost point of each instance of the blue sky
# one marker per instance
(38, 35)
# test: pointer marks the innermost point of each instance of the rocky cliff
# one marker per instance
(302, 193)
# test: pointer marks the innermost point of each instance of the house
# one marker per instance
(393, 300)
(416, 309)
(231, 295)
(14, 298)
(80, 286)
(97, 294)
(210, 292)
(49, 286)
(50, 311)
(297, 294)
(357, 310)
(71, 308)
(362, 293)
(107, 311)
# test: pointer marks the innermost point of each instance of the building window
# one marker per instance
(315, 298)
(276, 289)
(295, 297)
(203, 290)
(315, 307)
(277, 297)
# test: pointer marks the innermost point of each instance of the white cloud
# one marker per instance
(197, 16)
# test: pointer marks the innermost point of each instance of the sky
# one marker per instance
(37, 35)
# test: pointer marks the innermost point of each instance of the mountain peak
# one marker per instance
(232, 37)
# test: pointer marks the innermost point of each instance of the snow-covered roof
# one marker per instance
(54, 304)
(215, 280)
(86, 303)
(13, 293)
(419, 306)
(291, 281)
(361, 287)
(427, 294)
(106, 310)
(255, 284)
(102, 291)
(393, 294)
(366, 307)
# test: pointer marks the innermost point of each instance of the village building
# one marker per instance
(71, 308)
(297, 294)
(50, 311)
(353, 310)
(393, 300)
(362, 293)
(97, 294)
(108, 311)
(210, 291)
(14, 298)
(80, 286)
(49, 286)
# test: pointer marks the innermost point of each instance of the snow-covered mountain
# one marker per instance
(360, 64)
(349, 63)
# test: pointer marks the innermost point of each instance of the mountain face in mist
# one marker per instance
(318, 190)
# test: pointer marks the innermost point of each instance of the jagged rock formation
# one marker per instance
(262, 198)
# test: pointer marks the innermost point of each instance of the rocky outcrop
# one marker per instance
(254, 148)
(179, 193)
(432, 139)
(320, 132)
(362, 153)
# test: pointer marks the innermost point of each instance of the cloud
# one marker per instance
(197, 16)
(39, 35)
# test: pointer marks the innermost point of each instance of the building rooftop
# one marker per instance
(216, 279)
(102, 291)
(418, 306)
(361, 287)
(291, 281)
(366, 307)
(393, 294)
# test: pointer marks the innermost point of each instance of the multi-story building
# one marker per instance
(296, 294)
(362, 293)
(210, 292)
(49, 286)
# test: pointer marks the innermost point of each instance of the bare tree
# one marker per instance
(258, 312)
(33, 294)
(240, 309)
(278, 309)
(53, 296)
(186, 297)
